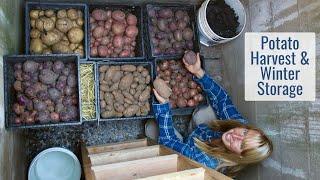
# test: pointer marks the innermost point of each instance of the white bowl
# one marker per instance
(55, 163)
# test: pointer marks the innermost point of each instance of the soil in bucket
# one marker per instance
(222, 19)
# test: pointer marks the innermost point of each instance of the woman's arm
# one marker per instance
(218, 97)
(168, 138)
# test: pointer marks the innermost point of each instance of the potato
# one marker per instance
(107, 114)
(103, 68)
(36, 46)
(62, 13)
(118, 107)
(49, 13)
(108, 97)
(129, 68)
(41, 13)
(48, 24)
(98, 32)
(39, 24)
(140, 68)
(132, 31)
(132, 19)
(131, 111)
(33, 23)
(73, 46)
(62, 48)
(162, 88)
(118, 15)
(141, 87)
(104, 88)
(109, 74)
(34, 14)
(72, 14)
(99, 14)
(128, 101)
(34, 33)
(126, 81)
(145, 73)
(118, 28)
(80, 21)
(114, 86)
(187, 34)
(118, 97)
(54, 19)
(118, 41)
(75, 35)
(64, 24)
(128, 95)
(47, 51)
(117, 76)
(79, 51)
(145, 95)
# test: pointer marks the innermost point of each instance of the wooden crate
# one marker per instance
(141, 159)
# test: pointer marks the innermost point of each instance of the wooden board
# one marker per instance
(117, 146)
(86, 164)
(191, 174)
(124, 155)
(137, 169)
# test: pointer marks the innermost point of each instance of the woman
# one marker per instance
(228, 144)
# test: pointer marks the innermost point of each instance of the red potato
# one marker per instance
(101, 23)
(191, 103)
(190, 57)
(124, 53)
(118, 15)
(132, 20)
(98, 32)
(132, 31)
(118, 41)
(105, 40)
(102, 51)
(99, 14)
(94, 51)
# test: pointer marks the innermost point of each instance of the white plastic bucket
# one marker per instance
(207, 36)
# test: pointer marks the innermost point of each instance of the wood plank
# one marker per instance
(88, 173)
(137, 169)
(185, 163)
(191, 174)
(124, 155)
(117, 146)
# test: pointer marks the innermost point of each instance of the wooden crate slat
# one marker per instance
(191, 174)
(137, 169)
(117, 146)
(124, 155)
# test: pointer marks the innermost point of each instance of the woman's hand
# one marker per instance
(160, 98)
(196, 68)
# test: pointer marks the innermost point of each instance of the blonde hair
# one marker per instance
(232, 161)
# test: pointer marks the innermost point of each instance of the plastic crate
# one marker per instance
(57, 6)
(192, 12)
(149, 66)
(138, 12)
(179, 111)
(9, 96)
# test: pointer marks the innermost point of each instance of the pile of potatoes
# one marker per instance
(170, 31)
(112, 33)
(124, 91)
(185, 91)
(56, 31)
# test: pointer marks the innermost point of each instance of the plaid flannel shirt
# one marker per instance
(224, 109)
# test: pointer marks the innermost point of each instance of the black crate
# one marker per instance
(9, 95)
(192, 12)
(149, 66)
(95, 88)
(135, 10)
(57, 6)
(179, 111)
